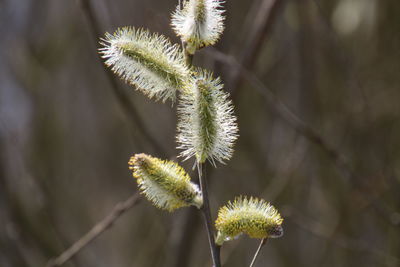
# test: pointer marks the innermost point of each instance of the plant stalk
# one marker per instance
(188, 56)
(262, 243)
(205, 210)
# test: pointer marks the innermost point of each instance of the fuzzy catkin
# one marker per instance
(207, 127)
(254, 217)
(199, 23)
(150, 62)
(164, 183)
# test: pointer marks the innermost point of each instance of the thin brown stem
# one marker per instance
(205, 210)
(96, 231)
(262, 243)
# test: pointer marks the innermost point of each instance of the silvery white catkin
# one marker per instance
(207, 127)
(147, 61)
(199, 23)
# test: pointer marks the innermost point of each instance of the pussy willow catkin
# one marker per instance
(164, 183)
(207, 127)
(147, 61)
(254, 217)
(200, 23)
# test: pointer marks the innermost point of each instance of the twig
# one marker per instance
(127, 106)
(96, 230)
(262, 243)
(205, 209)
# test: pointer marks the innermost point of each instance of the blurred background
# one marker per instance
(315, 84)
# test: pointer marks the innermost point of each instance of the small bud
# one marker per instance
(254, 217)
(147, 61)
(164, 183)
(200, 23)
(207, 127)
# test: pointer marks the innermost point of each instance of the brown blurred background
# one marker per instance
(68, 128)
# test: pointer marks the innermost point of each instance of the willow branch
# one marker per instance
(95, 232)
(205, 210)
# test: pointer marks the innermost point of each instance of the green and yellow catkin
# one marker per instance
(254, 217)
(199, 23)
(207, 127)
(164, 183)
(150, 62)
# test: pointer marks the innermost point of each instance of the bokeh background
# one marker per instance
(315, 84)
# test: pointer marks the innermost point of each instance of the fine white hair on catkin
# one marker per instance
(199, 23)
(207, 127)
(150, 62)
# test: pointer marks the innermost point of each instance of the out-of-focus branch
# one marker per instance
(302, 128)
(96, 230)
(122, 98)
(315, 228)
(182, 240)
(345, 62)
(288, 167)
(258, 30)
(285, 113)
(13, 250)
(353, 82)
